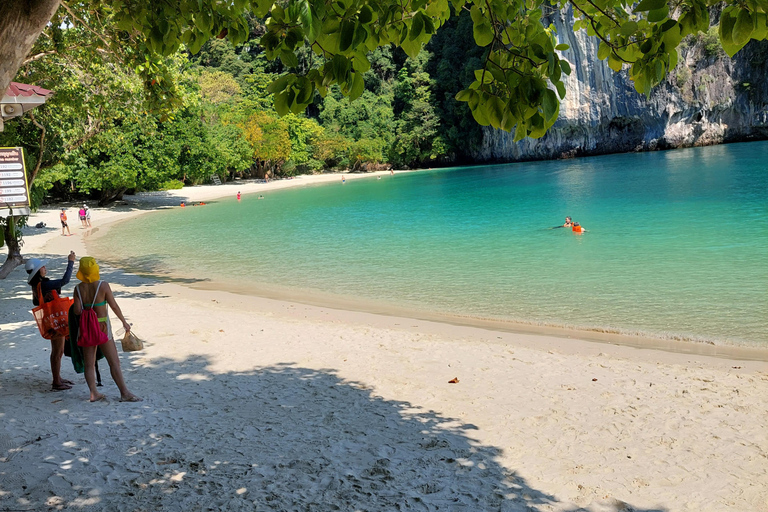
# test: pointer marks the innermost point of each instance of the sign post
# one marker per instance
(14, 190)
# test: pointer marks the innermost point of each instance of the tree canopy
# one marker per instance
(518, 86)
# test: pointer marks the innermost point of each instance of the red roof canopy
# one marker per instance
(17, 89)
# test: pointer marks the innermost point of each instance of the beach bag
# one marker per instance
(131, 342)
(52, 317)
(90, 334)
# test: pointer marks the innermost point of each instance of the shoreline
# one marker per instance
(253, 403)
(729, 350)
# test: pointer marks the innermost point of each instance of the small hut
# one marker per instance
(20, 98)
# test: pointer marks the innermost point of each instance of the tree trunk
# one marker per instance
(21, 21)
(14, 249)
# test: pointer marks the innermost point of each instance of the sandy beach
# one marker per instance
(252, 403)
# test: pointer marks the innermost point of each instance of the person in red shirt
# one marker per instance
(63, 218)
(238, 196)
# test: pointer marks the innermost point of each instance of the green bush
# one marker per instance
(172, 185)
(712, 45)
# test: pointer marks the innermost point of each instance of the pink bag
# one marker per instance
(91, 334)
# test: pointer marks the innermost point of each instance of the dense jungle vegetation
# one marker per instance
(94, 138)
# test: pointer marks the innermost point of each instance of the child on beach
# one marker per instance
(95, 294)
(63, 218)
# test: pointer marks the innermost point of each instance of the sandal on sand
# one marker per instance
(131, 399)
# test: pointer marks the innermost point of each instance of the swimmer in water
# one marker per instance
(568, 222)
(577, 228)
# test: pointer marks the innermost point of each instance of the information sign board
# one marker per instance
(14, 192)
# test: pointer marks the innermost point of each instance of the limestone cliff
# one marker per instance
(709, 98)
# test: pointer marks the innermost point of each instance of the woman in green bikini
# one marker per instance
(95, 293)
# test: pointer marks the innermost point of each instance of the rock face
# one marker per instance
(708, 99)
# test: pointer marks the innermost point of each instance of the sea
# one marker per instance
(675, 248)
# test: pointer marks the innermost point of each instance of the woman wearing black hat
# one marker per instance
(37, 278)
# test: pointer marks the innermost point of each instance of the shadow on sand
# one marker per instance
(281, 437)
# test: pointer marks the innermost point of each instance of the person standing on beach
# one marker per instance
(81, 214)
(95, 294)
(43, 286)
(87, 216)
(63, 218)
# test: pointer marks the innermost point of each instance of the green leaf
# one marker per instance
(360, 62)
(464, 95)
(411, 47)
(483, 33)
(281, 103)
(603, 51)
(280, 84)
(289, 59)
(357, 88)
(481, 114)
(521, 131)
(565, 66)
(550, 105)
(658, 14)
(495, 111)
(347, 35)
(742, 30)
(614, 63)
(650, 5)
(560, 89)
(628, 28)
(366, 15)
(417, 27)
(732, 49)
(727, 22)
(562, 47)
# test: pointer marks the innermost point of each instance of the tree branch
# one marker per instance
(42, 147)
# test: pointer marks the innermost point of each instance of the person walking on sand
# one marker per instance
(63, 218)
(42, 285)
(93, 293)
(87, 216)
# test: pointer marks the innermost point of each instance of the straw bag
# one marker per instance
(52, 317)
(131, 342)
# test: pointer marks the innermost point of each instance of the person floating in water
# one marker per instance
(568, 222)
(182, 204)
(343, 179)
(577, 228)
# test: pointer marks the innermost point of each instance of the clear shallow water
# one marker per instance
(677, 242)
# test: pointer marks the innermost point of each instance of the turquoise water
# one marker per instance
(677, 242)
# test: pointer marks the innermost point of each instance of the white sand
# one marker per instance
(257, 404)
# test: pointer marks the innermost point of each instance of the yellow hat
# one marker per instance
(89, 270)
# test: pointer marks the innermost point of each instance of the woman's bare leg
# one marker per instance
(57, 352)
(110, 353)
(89, 354)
